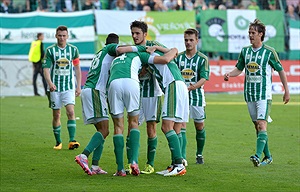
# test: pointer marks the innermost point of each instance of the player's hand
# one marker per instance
(151, 49)
(52, 87)
(191, 87)
(77, 91)
(226, 77)
(286, 97)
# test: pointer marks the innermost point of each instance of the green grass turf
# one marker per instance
(28, 162)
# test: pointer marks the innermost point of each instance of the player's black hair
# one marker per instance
(258, 26)
(61, 28)
(112, 38)
(191, 31)
(140, 24)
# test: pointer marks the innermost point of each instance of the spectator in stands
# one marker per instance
(66, 5)
(199, 5)
(97, 4)
(146, 8)
(222, 7)
(211, 5)
(88, 4)
(127, 6)
(6, 7)
(171, 5)
(253, 5)
(159, 6)
(188, 5)
(291, 14)
(142, 3)
(121, 5)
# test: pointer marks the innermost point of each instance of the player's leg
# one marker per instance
(55, 104)
(68, 100)
(183, 143)
(198, 114)
(118, 141)
(263, 108)
(115, 92)
(152, 115)
(94, 111)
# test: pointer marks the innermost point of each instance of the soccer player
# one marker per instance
(259, 60)
(194, 67)
(151, 99)
(94, 102)
(60, 58)
(123, 72)
(175, 108)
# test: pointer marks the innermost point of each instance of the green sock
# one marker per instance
(97, 153)
(200, 139)
(174, 146)
(56, 131)
(266, 150)
(151, 151)
(128, 150)
(71, 124)
(261, 141)
(118, 149)
(183, 146)
(134, 137)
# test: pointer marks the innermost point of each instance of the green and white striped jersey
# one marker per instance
(148, 82)
(59, 60)
(166, 73)
(99, 71)
(258, 67)
(192, 70)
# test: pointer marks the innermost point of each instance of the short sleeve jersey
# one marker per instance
(148, 84)
(99, 71)
(127, 65)
(59, 60)
(258, 67)
(165, 73)
(192, 70)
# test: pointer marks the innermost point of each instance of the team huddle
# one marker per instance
(153, 83)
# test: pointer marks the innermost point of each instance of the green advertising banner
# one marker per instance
(227, 31)
(18, 30)
(165, 27)
(294, 39)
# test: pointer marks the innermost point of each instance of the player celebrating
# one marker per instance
(258, 60)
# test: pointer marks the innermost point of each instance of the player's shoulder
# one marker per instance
(200, 54)
(72, 46)
(267, 47)
(180, 53)
(51, 46)
(153, 43)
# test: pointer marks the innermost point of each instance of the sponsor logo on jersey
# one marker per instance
(188, 74)
(252, 67)
(62, 62)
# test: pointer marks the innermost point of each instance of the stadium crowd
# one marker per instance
(21, 6)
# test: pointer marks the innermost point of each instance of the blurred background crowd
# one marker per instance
(290, 7)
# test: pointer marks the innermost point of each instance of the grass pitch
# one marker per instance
(28, 162)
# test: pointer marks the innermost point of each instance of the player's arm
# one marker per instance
(166, 58)
(130, 48)
(158, 48)
(235, 72)
(78, 76)
(197, 85)
(51, 86)
(283, 79)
